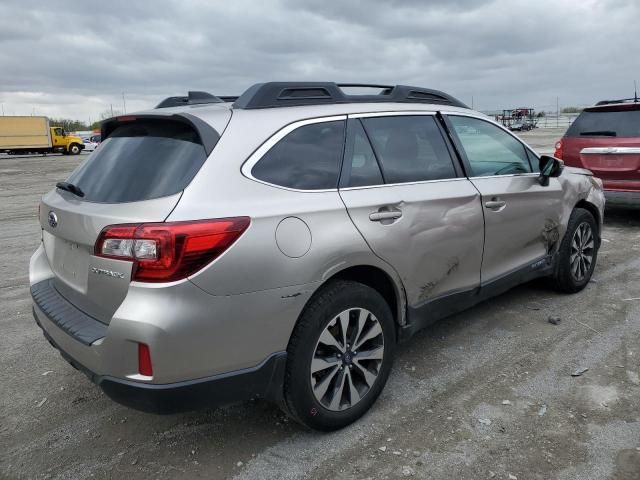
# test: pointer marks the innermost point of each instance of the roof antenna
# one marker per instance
(635, 91)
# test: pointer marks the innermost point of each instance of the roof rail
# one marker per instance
(293, 94)
(192, 98)
(613, 102)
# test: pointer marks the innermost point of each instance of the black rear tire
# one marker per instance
(331, 300)
(569, 276)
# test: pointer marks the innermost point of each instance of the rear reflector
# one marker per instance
(144, 360)
(166, 252)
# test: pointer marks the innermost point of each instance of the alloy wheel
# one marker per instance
(582, 250)
(347, 359)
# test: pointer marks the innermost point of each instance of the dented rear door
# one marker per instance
(408, 202)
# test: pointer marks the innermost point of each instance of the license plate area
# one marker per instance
(68, 260)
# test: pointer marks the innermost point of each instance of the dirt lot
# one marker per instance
(485, 394)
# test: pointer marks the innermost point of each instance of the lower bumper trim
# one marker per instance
(263, 381)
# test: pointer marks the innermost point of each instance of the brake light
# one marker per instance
(144, 360)
(166, 252)
(558, 152)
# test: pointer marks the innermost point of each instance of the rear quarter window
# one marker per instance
(308, 158)
(139, 161)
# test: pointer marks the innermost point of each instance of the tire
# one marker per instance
(74, 149)
(580, 243)
(366, 314)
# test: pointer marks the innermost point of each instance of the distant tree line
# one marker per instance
(68, 124)
(77, 125)
(571, 110)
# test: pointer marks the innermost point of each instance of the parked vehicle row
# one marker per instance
(522, 126)
(283, 243)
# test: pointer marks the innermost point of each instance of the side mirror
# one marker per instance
(549, 167)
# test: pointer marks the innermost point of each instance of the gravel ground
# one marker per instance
(484, 394)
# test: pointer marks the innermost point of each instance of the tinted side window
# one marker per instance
(490, 150)
(410, 148)
(360, 164)
(308, 158)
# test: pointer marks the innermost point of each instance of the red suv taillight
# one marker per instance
(558, 152)
(166, 252)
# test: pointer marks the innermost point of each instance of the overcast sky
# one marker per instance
(76, 58)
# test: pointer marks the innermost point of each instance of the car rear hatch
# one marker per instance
(618, 167)
(606, 140)
(136, 176)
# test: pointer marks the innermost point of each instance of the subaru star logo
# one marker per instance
(53, 220)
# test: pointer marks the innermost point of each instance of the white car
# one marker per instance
(89, 146)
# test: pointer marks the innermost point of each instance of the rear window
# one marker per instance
(607, 123)
(140, 161)
(306, 159)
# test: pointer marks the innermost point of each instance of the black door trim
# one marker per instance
(430, 312)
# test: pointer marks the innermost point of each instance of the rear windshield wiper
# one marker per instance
(604, 133)
(70, 187)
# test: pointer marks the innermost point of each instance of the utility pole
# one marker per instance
(2, 109)
(124, 104)
(111, 104)
(472, 103)
(557, 112)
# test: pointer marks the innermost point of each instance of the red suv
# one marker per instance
(606, 140)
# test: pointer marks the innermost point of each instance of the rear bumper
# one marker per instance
(264, 381)
(627, 185)
(622, 198)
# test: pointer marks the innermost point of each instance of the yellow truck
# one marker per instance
(26, 135)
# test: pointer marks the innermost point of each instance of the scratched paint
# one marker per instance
(425, 290)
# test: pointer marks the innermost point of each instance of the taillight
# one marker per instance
(166, 252)
(558, 152)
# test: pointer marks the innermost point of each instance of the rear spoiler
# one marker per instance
(208, 135)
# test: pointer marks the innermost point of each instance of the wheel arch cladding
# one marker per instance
(593, 210)
(380, 281)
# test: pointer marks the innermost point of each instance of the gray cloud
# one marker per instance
(75, 58)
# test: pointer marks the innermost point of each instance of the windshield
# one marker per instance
(140, 161)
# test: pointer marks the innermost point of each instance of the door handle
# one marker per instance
(385, 215)
(495, 204)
